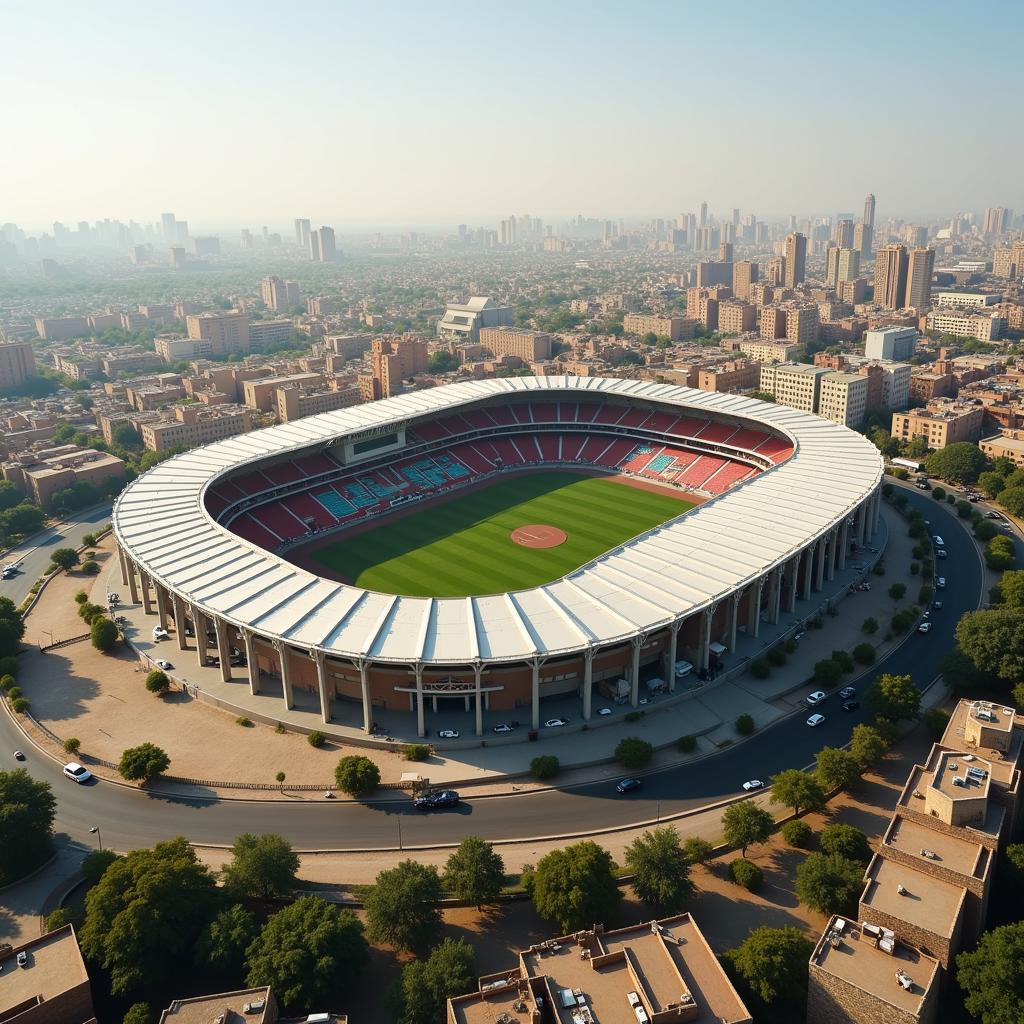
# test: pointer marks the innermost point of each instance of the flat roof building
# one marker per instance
(529, 346)
(462, 321)
(16, 363)
(942, 422)
(52, 987)
(897, 343)
(797, 385)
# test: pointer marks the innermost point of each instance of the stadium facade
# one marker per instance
(202, 538)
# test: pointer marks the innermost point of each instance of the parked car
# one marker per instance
(847, 692)
(937, 606)
(604, 711)
(76, 772)
(753, 784)
(851, 705)
(554, 723)
(164, 664)
(942, 553)
(815, 720)
(19, 756)
(924, 627)
(940, 583)
(628, 785)
(503, 727)
(815, 698)
(938, 541)
(449, 734)
(993, 515)
(438, 799)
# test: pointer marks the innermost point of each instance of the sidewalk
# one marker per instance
(22, 903)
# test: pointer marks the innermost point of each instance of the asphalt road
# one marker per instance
(129, 819)
(34, 554)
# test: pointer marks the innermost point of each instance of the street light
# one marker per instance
(94, 830)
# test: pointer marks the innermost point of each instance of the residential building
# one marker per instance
(250, 1005)
(735, 375)
(278, 294)
(348, 346)
(961, 324)
(767, 350)
(796, 259)
(302, 232)
(293, 401)
(797, 385)
(195, 425)
(322, 248)
(61, 328)
(920, 267)
(656, 971)
(41, 474)
(462, 322)
(771, 322)
(736, 317)
(17, 363)
(392, 361)
(52, 987)
(1009, 261)
(263, 333)
(891, 276)
(842, 234)
(843, 398)
(967, 300)
(221, 333)
(897, 343)
(928, 384)
(841, 265)
(1008, 443)
(526, 345)
(862, 240)
(869, 210)
(942, 422)
(744, 274)
(801, 323)
(123, 361)
(258, 393)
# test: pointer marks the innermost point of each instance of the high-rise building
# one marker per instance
(744, 274)
(16, 363)
(996, 220)
(890, 276)
(842, 234)
(841, 265)
(796, 259)
(704, 214)
(169, 226)
(869, 209)
(920, 267)
(725, 252)
(862, 239)
(328, 250)
(1009, 262)
(302, 232)
(278, 294)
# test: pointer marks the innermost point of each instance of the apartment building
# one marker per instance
(1008, 443)
(920, 267)
(888, 381)
(735, 375)
(797, 385)
(744, 275)
(967, 300)
(17, 363)
(1009, 262)
(961, 324)
(258, 394)
(656, 971)
(736, 317)
(529, 346)
(53, 985)
(462, 322)
(942, 422)
(263, 333)
(293, 402)
(42, 474)
(278, 294)
(796, 259)
(766, 351)
(843, 398)
(771, 322)
(219, 334)
(61, 328)
(131, 361)
(891, 276)
(897, 343)
(392, 361)
(801, 324)
(195, 425)
(928, 384)
(348, 346)
(249, 1005)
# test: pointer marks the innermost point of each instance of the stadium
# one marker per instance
(493, 546)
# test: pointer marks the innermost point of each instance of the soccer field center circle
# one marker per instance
(537, 535)
(203, 540)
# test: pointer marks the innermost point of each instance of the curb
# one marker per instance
(31, 874)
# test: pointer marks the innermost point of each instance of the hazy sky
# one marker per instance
(232, 113)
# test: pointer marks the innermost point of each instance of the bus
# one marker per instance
(909, 464)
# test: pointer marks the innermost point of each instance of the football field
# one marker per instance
(464, 546)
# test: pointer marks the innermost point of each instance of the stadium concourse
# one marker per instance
(201, 540)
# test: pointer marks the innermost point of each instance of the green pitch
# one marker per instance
(463, 546)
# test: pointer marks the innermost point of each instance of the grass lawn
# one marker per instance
(464, 546)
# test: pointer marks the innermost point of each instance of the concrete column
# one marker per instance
(133, 587)
(808, 566)
(199, 624)
(321, 678)
(844, 541)
(588, 683)
(251, 661)
(180, 622)
(793, 573)
(704, 643)
(421, 728)
(223, 648)
(734, 605)
(364, 686)
(878, 511)
(830, 555)
(673, 646)
(478, 724)
(147, 602)
(122, 559)
(819, 563)
(862, 523)
(754, 608)
(634, 672)
(161, 604)
(535, 694)
(775, 594)
(286, 673)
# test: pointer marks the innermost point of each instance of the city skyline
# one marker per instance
(362, 123)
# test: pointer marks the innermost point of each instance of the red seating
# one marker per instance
(747, 438)
(478, 418)
(521, 413)
(527, 447)
(776, 448)
(471, 456)
(215, 502)
(610, 414)
(661, 421)
(588, 410)
(282, 473)
(637, 461)
(549, 447)
(252, 483)
(726, 476)
(699, 470)
(247, 527)
(276, 518)
(572, 447)
(545, 412)
(305, 506)
(635, 418)
(502, 415)
(316, 465)
(718, 432)
(690, 426)
(431, 430)
(507, 452)
(615, 452)
(567, 412)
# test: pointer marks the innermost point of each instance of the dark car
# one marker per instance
(851, 705)
(628, 785)
(847, 692)
(434, 801)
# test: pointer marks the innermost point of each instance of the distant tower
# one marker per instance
(890, 276)
(796, 259)
(920, 267)
(704, 214)
(869, 209)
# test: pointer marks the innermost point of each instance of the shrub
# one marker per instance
(142, 763)
(72, 745)
(845, 841)
(697, 850)
(843, 660)
(791, 645)
(316, 738)
(901, 621)
(57, 919)
(633, 752)
(81, 597)
(897, 591)
(760, 668)
(104, 634)
(864, 654)
(939, 493)
(827, 672)
(244, 722)
(280, 729)
(924, 595)
(777, 657)
(632, 716)
(936, 720)
(14, 693)
(797, 833)
(356, 775)
(869, 626)
(984, 530)
(544, 767)
(157, 682)
(20, 704)
(915, 568)
(746, 873)
(91, 567)
(745, 725)
(6, 682)
(687, 744)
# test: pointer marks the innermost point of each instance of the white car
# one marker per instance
(938, 541)
(502, 728)
(554, 723)
(816, 698)
(924, 627)
(76, 772)
(753, 784)
(604, 711)
(164, 664)
(815, 720)
(449, 734)
(940, 583)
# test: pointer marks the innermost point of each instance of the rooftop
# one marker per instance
(912, 798)
(996, 720)
(951, 776)
(962, 856)
(54, 966)
(856, 960)
(246, 1006)
(929, 902)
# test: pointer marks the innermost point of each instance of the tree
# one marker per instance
(307, 952)
(897, 591)
(797, 789)
(103, 633)
(829, 884)
(442, 362)
(745, 724)
(23, 519)
(264, 866)
(771, 963)
(994, 641)
(1012, 499)
(869, 626)
(992, 976)
(9, 495)
(125, 436)
(936, 720)
(225, 939)
(474, 873)
(138, 1013)
(91, 567)
(12, 629)
(145, 914)
(427, 985)
(544, 767)
(157, 682)
(867, 745)
(991, 483)
(960, 463)
(864, 654)
(1011, 588)
(745, 824)
(64, 558)
(836, 768)
(143, 763)
(356, 775)
(633, 752)
(27, 810)
(95, 864)
(1000, 553)
(661, 870)
(746, 873)
(894, 697)
(697, 850)
(402, 907)
(827, 672)
(797, 833)
(847, 841)
(575, 886)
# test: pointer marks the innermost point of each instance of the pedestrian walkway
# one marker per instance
(22, 903)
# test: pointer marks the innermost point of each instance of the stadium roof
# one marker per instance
(674, 570)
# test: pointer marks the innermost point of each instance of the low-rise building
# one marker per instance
(928, 384)
(461, 322)
(843, 398)
(797, 385)
(942, 422)
(263, 333)
(735, 375)
(529, 346)
(195, 425)
(294, 401)
(761, 350)
(246, 1006)
(42, 474)
(967, 300)
(1008, 444)
(895, 343)
(52, 987)
(961, 324)
(259, 393)
(735, 317)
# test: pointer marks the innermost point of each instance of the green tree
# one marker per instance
(797, 789)
(697, 850)
(633, 752)
(356, 775)
(864, 654)
(661, 870)
(991, 483)
(402, 907)
(138, 1013)
(442, 362)
(157, 682)
(307, 953)
(64, 558)
(27, 810)
(575, 886)
(745, 824)
(91, 567)
(23, 519)
(95, 864)
(847, 841)
(867, 745)
(797, 833)
(103, 633)
(1011, 588)
(992, 976)
(897, 591)
(544, 767)
(935, 721)
(894, 697)
(829, 884)
(994, 641)
(125, 436)
(870, 626)
(58, 918)
(836, 768)
(143, 917)
(745, 725)
(142, 763)
(264, 866)
(746, 873)
(475, 873)
(12, 629)
(1012, 499)
(1000, 553)
(225, 939)
(9, 495)
(827, 672)
(427, 985)
(959, 463)
(771, 965)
